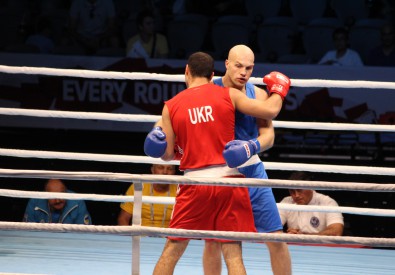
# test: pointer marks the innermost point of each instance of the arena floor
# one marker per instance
(25, 252)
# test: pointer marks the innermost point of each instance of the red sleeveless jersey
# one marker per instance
(203, 119)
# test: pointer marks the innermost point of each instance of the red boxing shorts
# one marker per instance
(222, 208)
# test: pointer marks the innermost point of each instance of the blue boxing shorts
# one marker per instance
(264, 207)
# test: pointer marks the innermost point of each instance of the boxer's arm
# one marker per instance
(170, 135)
(266, 133)
(238, 152)
(267, 109)
(278, 85)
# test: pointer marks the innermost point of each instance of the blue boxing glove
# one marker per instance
(155, 143)
(238, 152)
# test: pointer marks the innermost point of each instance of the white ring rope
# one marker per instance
(83, 156)
(183, 179)
(181, 78)
(171, 200)
(178, 179)
(164, 232)
(343, 169)
(155, 118)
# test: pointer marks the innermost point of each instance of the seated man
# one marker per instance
(314, 223)
(57, 210)
(157, 215)
(342, 55)
(147, 43)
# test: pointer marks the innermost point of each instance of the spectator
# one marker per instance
(384, 54)
(314, 223)
(147, 43)
(93, 24)
(157, 215)
(42, 37)
(342, 55)
(57, 210)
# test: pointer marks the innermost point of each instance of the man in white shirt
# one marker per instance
(314, 223)
(342, 55)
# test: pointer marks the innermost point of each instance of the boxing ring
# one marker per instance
(30, 248)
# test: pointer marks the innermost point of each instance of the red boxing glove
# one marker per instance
(277, 83)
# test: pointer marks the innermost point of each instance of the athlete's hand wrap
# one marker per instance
(155, 143)
(277, 83)
(237, 152)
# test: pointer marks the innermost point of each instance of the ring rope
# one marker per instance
(164, 232)
(181, 78)
(138, 230)
(344, 169)
(155, 118)
(179, 179)
(171, 200)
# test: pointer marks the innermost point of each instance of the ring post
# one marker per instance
(138, 188)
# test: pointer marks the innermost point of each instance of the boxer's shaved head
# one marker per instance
(241, 52)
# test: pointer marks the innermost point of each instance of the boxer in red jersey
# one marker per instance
(202, 119)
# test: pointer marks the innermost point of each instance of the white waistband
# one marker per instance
(212, 172)
(253, 160)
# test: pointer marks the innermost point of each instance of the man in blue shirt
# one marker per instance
(258, 136)
(57, 210)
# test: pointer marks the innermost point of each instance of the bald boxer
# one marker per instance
(256, 135)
